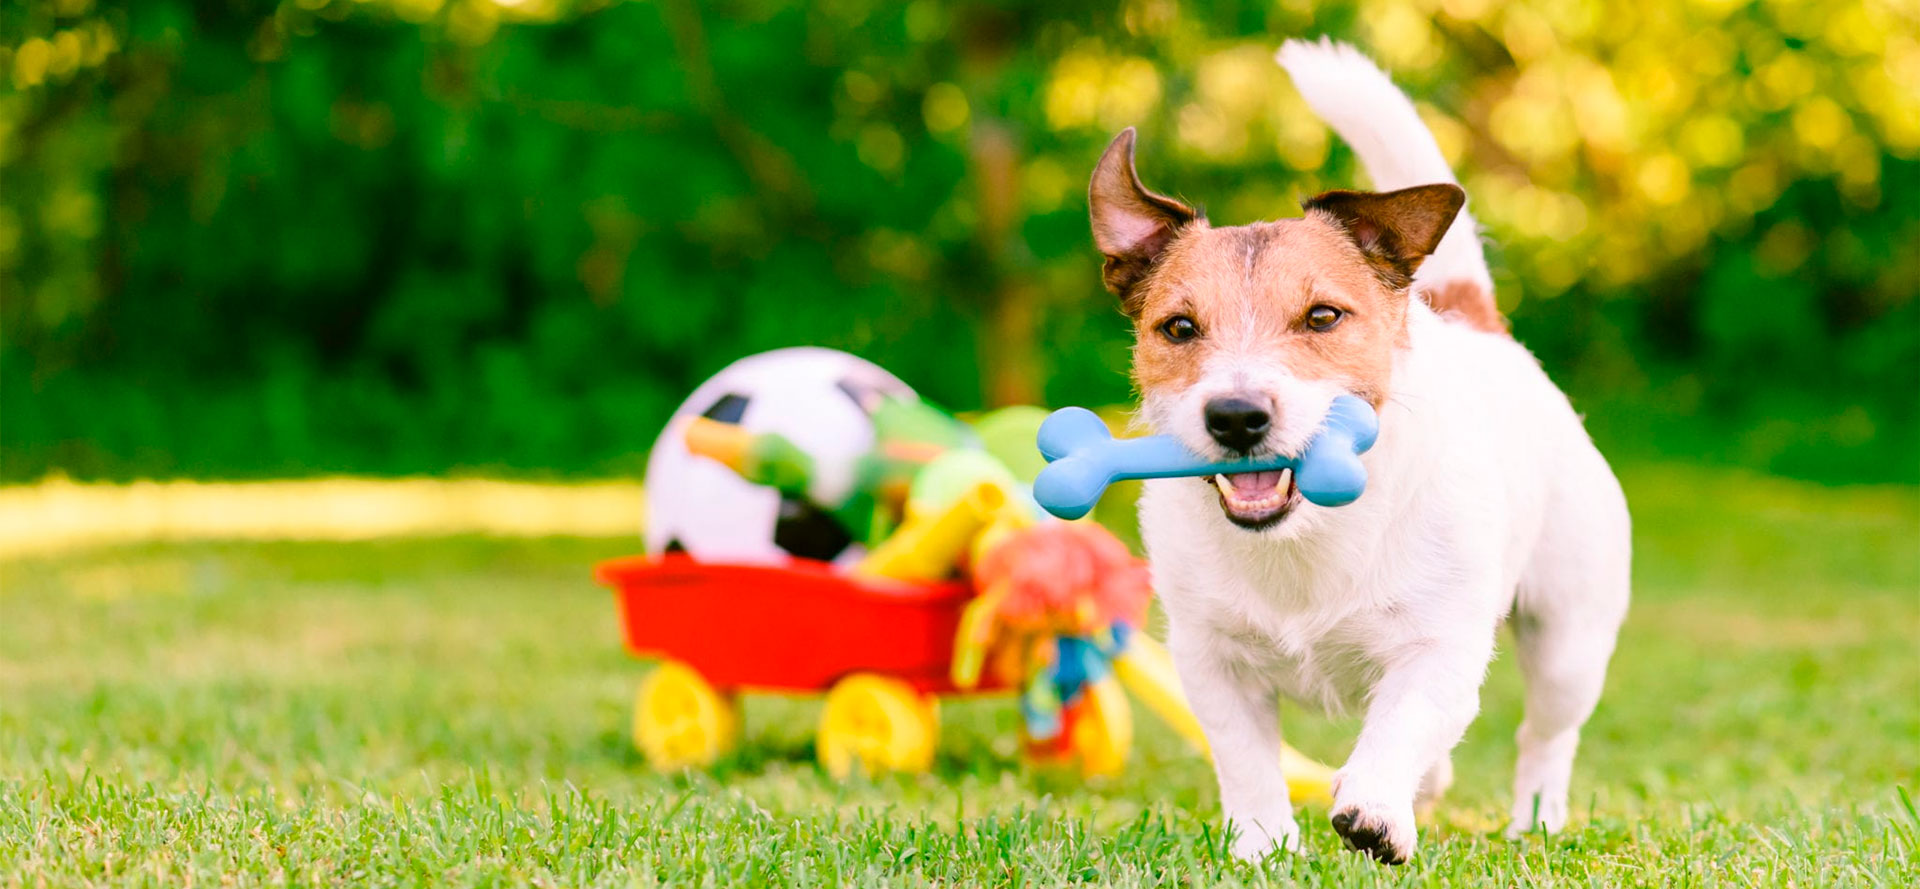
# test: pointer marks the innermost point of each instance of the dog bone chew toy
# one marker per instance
(1084, 458)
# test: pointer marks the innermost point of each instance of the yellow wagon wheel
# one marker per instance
(1103, 732)
(680, 721)
(881, 724)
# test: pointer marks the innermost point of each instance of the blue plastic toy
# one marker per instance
(1084, 458)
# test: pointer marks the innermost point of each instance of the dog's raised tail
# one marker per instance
(1363, 106)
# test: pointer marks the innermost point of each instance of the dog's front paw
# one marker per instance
(1254, 839)
(1381, 830)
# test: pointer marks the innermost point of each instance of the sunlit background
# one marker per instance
(357, 236)
(334, 335)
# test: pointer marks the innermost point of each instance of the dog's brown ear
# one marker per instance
(1131, 225)
(1394, 229)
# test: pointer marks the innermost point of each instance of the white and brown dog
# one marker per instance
(1486, 499)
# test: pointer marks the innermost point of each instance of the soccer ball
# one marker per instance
(819, 399)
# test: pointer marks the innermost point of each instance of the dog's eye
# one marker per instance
(1179, 329)
(1324, 318)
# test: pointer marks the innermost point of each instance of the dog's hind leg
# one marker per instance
(1568, 613)
(1433, 786)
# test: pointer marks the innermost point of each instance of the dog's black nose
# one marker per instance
(1237, 423)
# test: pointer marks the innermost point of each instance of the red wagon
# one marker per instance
(880, 649)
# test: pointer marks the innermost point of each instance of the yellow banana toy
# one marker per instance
(1146, 669)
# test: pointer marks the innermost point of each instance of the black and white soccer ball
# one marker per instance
(820, 400)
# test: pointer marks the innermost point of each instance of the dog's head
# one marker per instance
(1244, 335)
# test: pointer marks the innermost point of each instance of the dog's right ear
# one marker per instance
(1131, 225)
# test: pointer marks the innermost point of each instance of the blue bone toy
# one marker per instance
(1083, 458)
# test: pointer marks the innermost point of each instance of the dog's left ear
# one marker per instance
(1395, 230)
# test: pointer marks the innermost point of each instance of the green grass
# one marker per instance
(454, 712)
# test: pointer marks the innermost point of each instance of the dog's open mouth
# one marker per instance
(1256, 500)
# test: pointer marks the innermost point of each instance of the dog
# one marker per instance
(1486, 501)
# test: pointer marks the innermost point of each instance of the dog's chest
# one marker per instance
(1326, 656)
(1316, 620)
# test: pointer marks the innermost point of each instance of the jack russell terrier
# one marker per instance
(1487, 501)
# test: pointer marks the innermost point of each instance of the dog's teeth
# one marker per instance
(1286, 478)
(1220, 481)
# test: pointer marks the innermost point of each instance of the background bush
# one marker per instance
(397, 236)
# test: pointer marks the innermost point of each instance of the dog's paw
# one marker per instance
(1537, 812)
(1383, 831)
(1257, 839)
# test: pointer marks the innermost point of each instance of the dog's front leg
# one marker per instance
(1420, 708)
(1242, 724)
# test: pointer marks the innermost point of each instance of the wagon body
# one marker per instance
(797, 627)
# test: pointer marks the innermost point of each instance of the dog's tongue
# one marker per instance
(1253, 485)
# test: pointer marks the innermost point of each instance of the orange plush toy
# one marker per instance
(1058, 602)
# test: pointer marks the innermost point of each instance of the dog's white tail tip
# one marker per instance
(1298, 56)
(1362, 104)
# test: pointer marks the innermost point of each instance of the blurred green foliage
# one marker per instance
(395, 236)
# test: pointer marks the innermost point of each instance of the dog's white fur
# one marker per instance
(1486, 500)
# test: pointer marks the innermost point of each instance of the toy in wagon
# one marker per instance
(813, 526)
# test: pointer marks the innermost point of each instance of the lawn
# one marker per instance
(454, 711)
